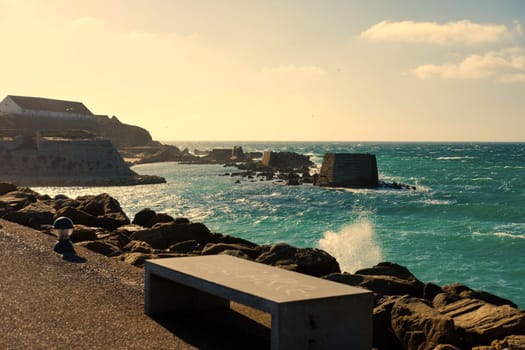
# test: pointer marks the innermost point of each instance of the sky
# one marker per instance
(277, 70)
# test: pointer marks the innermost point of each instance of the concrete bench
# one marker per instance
(306, 312)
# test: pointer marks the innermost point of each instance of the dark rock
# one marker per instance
(292, 180)
(463, 291)
(64, 202)
(101, 247)
(138, 247)
(143, 217)
(60, 197)
(483, 322)
(310, 261)
(384, 336)
(235, 240)
(113, 220)
(388, 269)
(431, 290)
(160, 218)
(163, 235)
(446, 347)
(6, 187)
(137, 259)
(166, 153)
(217, 248)
(77, 215)
(16, 200)
(286, 160)
(100, 205)
(119, 239)
(419, 326)
(398, 279)
(183, 247)
(34, 215)
(83, 233)
(512, 342)
(383, 285)
(236, 253)
(182, 221)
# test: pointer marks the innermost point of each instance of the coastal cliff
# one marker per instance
(120, 134)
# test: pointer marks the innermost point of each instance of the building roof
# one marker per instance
(47, 104)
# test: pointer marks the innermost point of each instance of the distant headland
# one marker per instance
(48, 142)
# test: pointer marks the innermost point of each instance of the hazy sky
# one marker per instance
(377, 70)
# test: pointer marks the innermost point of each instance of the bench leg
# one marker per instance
(164, 296)
(334, 323)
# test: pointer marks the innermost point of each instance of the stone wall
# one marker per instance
(61, 157)
(349, 170)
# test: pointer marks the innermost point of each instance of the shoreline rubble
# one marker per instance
(408, 313)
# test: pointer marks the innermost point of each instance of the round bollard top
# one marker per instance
(63, 222)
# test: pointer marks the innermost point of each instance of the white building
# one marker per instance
(44, 107)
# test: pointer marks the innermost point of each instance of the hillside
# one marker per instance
(120, 134)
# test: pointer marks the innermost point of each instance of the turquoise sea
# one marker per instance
(464, 223)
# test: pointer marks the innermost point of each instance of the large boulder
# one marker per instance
(18, 199)
(34, 215)
(105, 208)
(483, 322)
(102, 247)
(138, 247)
(384, 336)
(143, 216)
(83, 233)
(461, 291)
(310, 261)
(112, 220)
(218, 248)
(6, 187)
(78, 216)
(418, 326)
(385, 278)
(99, 205)
(164, 235)
(381, 285)
(185, 247)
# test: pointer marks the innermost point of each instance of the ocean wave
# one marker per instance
(354, 246)
(438, 201)
(455, 158)
(482, 179)
(501, 234)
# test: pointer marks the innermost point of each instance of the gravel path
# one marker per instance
(49, 303)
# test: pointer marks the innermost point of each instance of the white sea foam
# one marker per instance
(438, 201)
(500, 234)
(354, 247)
(455, 158)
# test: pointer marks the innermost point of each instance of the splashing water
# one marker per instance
(354, 246)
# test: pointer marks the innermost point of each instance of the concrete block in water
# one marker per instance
(355, 170)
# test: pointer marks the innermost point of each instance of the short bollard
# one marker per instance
(63, 228)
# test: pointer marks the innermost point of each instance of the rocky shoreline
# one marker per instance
(408, 313)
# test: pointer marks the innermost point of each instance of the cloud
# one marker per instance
(296, 70)
(86, 21)
(462, 32)
(504, 66)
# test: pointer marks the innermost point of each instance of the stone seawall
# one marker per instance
(58, 161)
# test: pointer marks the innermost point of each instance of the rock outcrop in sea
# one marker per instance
(408, 313)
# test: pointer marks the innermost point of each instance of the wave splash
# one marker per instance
(354, 247)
